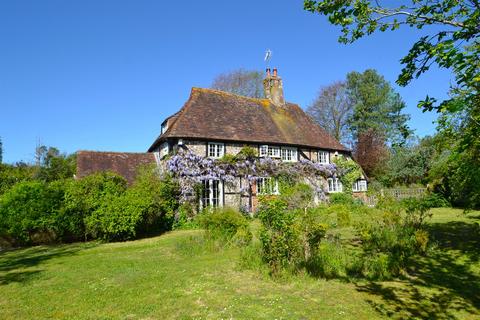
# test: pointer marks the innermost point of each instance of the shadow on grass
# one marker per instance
(14, 262)
(443, 285)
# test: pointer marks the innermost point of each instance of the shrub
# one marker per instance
(185, 217)
(342, 198)
(342, 213)
(147, 206)
(225, 224)
(84, 196)
(331, 261)
(279, 234)
(299, 195)
(29, 212)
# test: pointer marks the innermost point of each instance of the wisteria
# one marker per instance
(191, 169)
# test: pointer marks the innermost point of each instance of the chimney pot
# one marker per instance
(268, 72)
(274, 72)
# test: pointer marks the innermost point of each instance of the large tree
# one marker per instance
(1, 150)
(332, 109)
(453, 43)
(243, 82)
(377, 107)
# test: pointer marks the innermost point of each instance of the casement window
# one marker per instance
(359, 186)
(289, 154)
(163, 150)
(267, 186)
(269, 151)
(212, 194)
(323, 157)
(263, 150)
(216, 150)
(334, 185)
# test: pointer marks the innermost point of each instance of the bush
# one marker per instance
(279, 234)
(84, 196)
(299, 195)
(226, 224)
(331, 261)
(185, 217)
(30, 210)
(147, 206)
(342, 198)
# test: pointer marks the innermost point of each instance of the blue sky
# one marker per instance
(102, 75)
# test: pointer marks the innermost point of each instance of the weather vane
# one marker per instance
(268, 56)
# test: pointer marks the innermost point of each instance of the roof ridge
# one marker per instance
(116, 152)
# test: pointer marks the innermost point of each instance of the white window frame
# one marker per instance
(269, 151)
(267, 186)
(164, 150)
(289, 154)
(263, 151)
(212, 194)
(215, 150)
(334, 185)
(324, 157)
(360, 185)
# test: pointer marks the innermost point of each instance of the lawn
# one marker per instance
(159, 278)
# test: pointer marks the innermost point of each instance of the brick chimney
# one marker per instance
(272, 84)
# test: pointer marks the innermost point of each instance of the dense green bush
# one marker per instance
(225, 224)
(84, 196)
(185, 217)
(147, 206)
(30, 210)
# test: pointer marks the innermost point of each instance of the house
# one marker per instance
(215, 123)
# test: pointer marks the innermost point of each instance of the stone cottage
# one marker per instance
(215, 123)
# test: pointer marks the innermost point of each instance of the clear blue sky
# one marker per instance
(102, 75)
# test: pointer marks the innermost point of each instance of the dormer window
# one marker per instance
(216, 150)
(164, 127)
(323, 157)
(289, 154)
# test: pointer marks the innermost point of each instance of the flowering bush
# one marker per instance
(191, 170)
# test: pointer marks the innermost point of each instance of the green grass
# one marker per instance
(167, 277)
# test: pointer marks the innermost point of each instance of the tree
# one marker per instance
(332, 109)
(377, 107)
(371, 152)
(243, 82)
(1, 150)
(53, 165)
(452, 44)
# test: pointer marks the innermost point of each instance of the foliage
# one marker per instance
(298, 195)
(377, 107)
(185, 217)
(342, 198)
(191, 170)
(289, 237)
(242, 82)
(12, 174)
(226, 224)
(147, 206)
(453, 44)
(29, 212)
(349, 172)
(371, 152)
(1, 150)
(52, 165)
(332, 109)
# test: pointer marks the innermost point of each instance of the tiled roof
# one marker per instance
(217, 115)
(125, 164)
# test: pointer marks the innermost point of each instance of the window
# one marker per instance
(215, 150)
(212, 194)
(269, 151)
(164, 149)
(263, 151)
(289, 154)
(323, 157)
(164, 127)
(266, 186)
(334, 185)
(360, 185)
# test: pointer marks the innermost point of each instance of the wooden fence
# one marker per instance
(397, 194)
